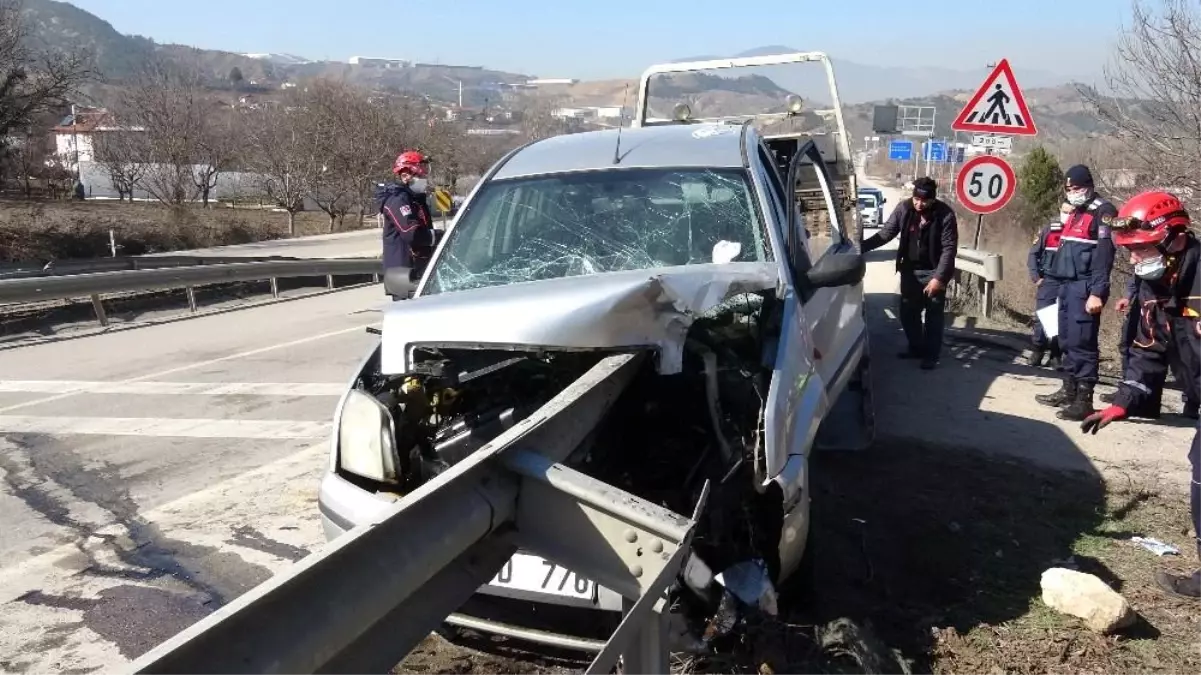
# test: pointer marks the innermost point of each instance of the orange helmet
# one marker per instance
(411, 161)
(1149, 218)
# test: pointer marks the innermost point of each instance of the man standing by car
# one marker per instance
(404, 209)
(926, 261)
(1038, 262)
(1154, 227)
(1082, 266)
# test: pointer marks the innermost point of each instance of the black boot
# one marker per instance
(910, 353)
(1192, 410)
(1081, 406)
(1179, 585)
(1056, 360)
(1058, 399)
(1036, 358)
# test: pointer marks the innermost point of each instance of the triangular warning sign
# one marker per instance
(997, 107)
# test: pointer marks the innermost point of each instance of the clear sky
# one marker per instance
(619, 38)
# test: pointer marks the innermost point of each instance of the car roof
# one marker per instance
(669, 145)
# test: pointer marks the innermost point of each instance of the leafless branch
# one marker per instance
(32, 82)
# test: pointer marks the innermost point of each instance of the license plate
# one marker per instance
(531, 573)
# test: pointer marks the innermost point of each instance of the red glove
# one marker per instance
(1094, 422)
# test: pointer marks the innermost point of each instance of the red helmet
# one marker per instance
(411, 161)
(1149, 218)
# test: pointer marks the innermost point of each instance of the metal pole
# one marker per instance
(980, 218)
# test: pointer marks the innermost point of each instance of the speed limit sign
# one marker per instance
(985, 184)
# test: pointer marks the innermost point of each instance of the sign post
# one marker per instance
(986, 183)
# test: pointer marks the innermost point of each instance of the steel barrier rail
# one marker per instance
(987, 269)
(96, 284)
(364, 600)
(40, 268)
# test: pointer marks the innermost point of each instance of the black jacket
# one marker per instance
(942, 236)
(1169, 311)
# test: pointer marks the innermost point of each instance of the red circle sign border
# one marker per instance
(965, 171)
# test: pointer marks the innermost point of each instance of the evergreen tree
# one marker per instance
(1040, 181)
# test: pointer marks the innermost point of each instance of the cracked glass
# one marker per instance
(549, 227)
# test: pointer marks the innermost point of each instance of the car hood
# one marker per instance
(637, 309)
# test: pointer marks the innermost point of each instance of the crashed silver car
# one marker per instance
(677, 240)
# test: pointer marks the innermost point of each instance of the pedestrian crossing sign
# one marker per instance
(997, 107)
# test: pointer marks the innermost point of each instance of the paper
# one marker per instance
(1156, 546)
(1049, 317)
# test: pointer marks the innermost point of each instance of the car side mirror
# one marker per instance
(837, 269)
(398, 282)
(884, 201)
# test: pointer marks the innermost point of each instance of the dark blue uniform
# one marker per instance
(407, 227)
(1038, 263)
(1082, 266)
(1168, 312)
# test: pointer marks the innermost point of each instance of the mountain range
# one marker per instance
(1058, 108)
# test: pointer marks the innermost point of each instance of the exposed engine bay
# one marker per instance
(662, 440)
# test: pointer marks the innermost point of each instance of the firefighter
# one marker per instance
(1081, 266)
(408, 234)
(1153, 227)
(1046, 289)
(1151, 410)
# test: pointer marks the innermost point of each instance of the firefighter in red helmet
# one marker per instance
(408, 233)
(1154, 228)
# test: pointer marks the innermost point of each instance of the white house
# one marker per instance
(75, 135)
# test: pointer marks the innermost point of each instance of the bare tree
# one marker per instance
(218, 142)
(166, 101)
(31, 83)
(1155, 106)
(123, 154)
(284, 146)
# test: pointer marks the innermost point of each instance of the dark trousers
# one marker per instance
(1194, 458)
(1078, 333)
(924, 337)
(1045, 295)
(1129, 333)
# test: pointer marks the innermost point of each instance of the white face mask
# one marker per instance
(1150, 268)
(419, 185)
(1079, 198)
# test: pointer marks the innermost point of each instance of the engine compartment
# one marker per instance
(662, 440)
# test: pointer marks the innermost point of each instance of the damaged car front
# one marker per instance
(551, 267)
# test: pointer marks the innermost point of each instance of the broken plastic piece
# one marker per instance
(1156, 546)
(750, 583)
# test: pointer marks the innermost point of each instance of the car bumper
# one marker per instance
(343, 504)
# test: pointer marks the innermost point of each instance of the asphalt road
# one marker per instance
(151, 475)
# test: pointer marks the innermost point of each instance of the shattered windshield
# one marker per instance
(865, 202)
(593, 222)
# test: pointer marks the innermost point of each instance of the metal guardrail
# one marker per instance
(363, 601)
(44, 287)
(987, 269)
(36, 268)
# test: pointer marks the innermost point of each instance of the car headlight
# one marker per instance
(367, 439)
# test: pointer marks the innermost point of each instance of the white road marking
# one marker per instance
(158, 427)
(173, 388)
(199, 364)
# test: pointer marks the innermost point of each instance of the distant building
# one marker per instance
(551, 81)
(379, 62)
(75, 135)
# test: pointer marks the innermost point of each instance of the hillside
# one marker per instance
(707, 95)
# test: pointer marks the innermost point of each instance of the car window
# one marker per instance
(592, 222)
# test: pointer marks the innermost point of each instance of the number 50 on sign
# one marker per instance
(985, 184)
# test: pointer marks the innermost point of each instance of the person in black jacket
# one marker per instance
(1154, 228)
(408, 234)
(926, 261)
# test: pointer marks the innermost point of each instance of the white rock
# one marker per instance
(1087, 597)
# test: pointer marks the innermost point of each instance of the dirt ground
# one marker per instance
(929, 561)
(45, 230)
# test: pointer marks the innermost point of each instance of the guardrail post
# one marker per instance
(98, 307)
(329, 281)
(648, 652)
(986, 299)
(191, 299)
(274, 287)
